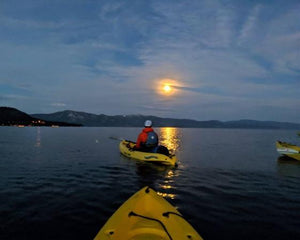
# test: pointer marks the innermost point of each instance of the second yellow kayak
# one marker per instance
(288, 149)
(147, 216)
(126, 148)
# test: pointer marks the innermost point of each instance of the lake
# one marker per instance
(64, 183)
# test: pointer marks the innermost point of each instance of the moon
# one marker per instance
(167, 88)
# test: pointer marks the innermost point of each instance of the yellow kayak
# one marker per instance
(147, 216)
(126, 148)
(288, 149)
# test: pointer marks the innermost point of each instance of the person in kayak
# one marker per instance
(147, 140)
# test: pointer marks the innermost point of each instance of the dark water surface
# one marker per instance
(64, 183)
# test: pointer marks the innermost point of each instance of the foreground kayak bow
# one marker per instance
(147, 216)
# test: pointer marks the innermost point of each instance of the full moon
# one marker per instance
(167, 88)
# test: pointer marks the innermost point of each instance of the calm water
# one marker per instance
(64, 183)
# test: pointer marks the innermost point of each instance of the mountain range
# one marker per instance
(14, 117)
(88, 119)
(11, 116)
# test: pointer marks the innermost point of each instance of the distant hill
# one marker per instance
(88, 119)
(11, 116)
(261, 124)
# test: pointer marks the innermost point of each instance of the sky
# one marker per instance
(223, 60)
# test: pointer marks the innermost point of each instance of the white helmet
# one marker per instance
(148, 123)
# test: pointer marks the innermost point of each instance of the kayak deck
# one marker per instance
(126, 148)
(288, 149)
(147, 216)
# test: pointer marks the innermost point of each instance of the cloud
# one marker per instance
(30, 24)
(15, 89)
(8, 98)
(58, 104)
(280, 39)
(3, 98)
(249, 26)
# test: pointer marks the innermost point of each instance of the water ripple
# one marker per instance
(69, 190)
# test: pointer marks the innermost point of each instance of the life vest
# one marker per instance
(152, 140)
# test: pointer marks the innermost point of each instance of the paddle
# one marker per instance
(117, 138)
(120, 139)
